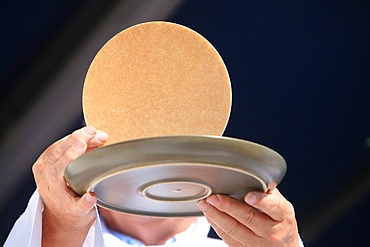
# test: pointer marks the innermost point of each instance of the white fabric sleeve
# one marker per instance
(27, 230)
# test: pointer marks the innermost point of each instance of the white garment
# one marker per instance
(27, 231)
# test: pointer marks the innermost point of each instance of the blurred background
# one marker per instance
(300, 72)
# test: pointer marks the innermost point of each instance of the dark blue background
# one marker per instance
(300, 73)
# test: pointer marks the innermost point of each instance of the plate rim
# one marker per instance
(268, 183)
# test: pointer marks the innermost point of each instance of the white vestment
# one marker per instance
(27, 231)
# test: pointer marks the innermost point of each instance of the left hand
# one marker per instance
(266, 219)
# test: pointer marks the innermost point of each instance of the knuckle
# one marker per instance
(76, 133)
(289, 214)
(282, 210)
(81, 134)
(225, 204)
(275, 205)
(273, 233)
(231, 228)
(280, 214)
(55, 155)
(247, 217)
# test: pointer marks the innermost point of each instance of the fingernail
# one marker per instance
(213, 200)
(251, 198)
(90, 130)
(202, 205)
(102, 136)
(79, 145)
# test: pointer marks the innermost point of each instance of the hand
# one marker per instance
(67, 217)
(266, 219)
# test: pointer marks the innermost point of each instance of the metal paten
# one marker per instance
(166, 176)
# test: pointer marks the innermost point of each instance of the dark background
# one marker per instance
(300, 72)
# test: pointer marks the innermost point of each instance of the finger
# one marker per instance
(248, 216)
(99, 138)
(230, 241)
(98, 141)
(87, 135)
(85, 204)
(228, 227)
(272, 204)
(57, 149)
(74, 146)
(61, 155)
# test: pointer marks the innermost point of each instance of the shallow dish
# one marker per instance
(166, 176)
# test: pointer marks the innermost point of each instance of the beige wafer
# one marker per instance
(157, 79)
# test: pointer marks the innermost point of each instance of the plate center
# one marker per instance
(176, 191)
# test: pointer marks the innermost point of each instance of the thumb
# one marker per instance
(87, 202)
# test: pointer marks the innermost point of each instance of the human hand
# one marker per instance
(266, 219)
(67, 217)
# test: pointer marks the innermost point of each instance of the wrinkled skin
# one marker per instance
(264, 219)
(67, 217)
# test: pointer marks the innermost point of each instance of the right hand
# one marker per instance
(67, 217)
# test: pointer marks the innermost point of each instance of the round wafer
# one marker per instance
(157, 79)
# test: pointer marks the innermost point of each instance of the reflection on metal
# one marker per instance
(155, 176)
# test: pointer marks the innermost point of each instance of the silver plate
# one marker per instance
(166, 176)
